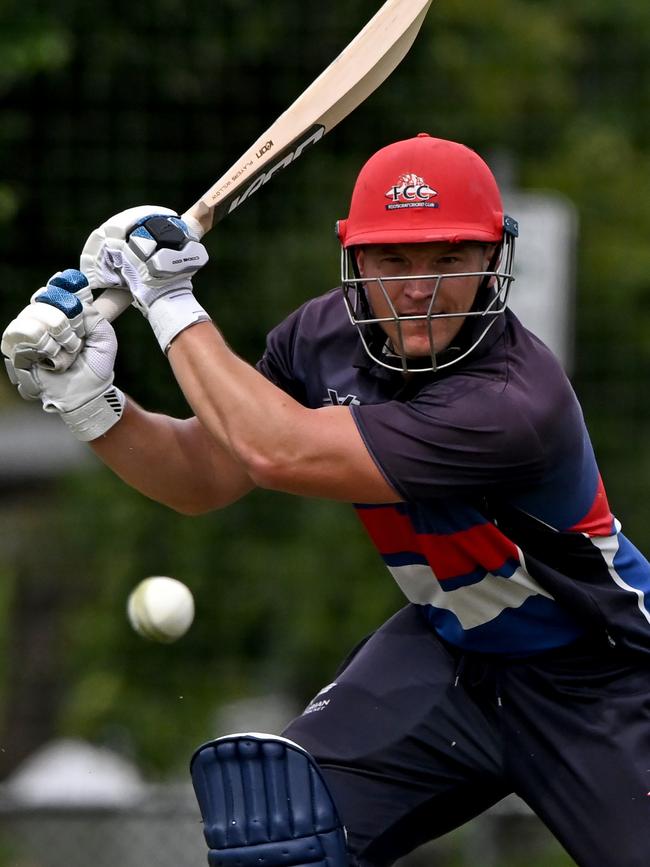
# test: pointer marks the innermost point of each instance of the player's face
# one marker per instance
(409, 297)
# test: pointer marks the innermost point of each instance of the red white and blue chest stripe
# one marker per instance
(484, 592)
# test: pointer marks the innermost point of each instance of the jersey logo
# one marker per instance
(411, 191)
(317, 703)
(333, 399)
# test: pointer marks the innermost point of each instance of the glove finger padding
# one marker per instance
(83, 394)
(147, 250)
(49, 332)
(29, 388)
(89, 375)
(42, 334)
(151, 252)
(116, 228)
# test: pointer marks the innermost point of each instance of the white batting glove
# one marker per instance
(152, 253)
(49, 334)
(83, 394)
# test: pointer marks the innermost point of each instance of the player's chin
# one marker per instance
(413, 339)
(419, 345)
(415, 349)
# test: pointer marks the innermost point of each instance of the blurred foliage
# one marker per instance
(123, 103)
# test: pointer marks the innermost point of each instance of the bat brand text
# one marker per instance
(283, 161)
(265, 147)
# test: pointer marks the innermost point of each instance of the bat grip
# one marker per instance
(113, 302)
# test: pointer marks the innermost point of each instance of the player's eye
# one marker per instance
(393, 261)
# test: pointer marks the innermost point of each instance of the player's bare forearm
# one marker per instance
(173, 461)
(283, 445)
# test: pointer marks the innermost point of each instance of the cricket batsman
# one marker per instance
(521, 659)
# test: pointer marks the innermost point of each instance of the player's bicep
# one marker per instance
(216, 476)
(327, 457)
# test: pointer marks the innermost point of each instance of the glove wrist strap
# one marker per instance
(173, 313)
(93, 419)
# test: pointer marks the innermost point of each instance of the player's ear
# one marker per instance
(359, 254)
(489, 254)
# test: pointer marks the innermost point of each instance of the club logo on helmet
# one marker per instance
(411, 191)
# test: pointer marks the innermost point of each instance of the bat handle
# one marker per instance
(113, 302)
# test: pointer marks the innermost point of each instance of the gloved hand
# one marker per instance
(152, 253)
(50, 333)
(83, 394)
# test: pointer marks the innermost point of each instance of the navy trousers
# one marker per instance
(415, 738)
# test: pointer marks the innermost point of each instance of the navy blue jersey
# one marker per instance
(504, 534)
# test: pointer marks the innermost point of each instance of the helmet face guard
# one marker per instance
(425, 190)
(491, 301)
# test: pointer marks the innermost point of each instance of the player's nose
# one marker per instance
(421, 287)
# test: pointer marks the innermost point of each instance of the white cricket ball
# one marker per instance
(161, 609)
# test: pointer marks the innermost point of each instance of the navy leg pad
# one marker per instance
(265, 803)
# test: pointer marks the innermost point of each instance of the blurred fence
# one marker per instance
(164, 828)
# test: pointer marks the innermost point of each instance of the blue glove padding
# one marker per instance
(50, 334)
(83, 393)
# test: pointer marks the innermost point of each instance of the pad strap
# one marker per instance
(264, 801)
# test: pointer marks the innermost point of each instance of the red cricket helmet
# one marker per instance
(423, 189)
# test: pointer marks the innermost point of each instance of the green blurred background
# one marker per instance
(109, 105)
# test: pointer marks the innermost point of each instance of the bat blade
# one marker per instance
(359, 70)
(351, 77)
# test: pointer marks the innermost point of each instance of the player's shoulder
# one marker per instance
(319, 323)
(307, 338)
(533, 370)
(516, 391)
(315, 316)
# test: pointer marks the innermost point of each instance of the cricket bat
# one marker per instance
(359, 70)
